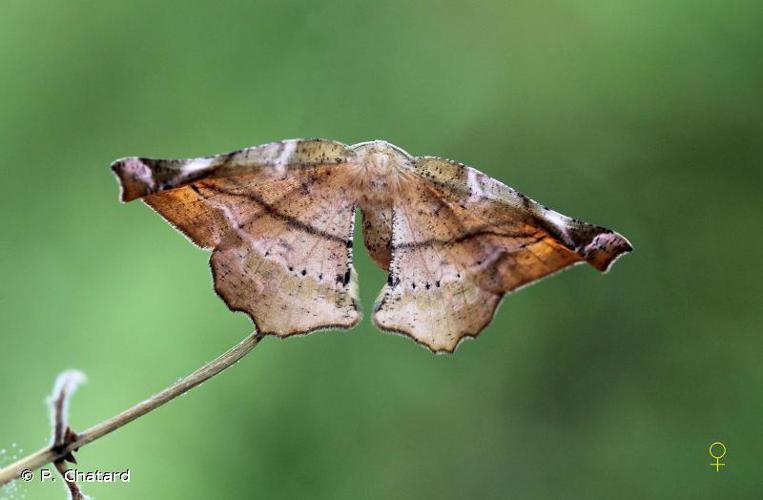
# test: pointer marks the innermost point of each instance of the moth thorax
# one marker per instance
(381, 165)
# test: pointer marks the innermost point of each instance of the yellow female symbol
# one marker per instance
(717, 458)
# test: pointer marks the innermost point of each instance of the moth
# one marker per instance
(279, 219)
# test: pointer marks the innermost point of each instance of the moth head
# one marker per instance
(381, 158)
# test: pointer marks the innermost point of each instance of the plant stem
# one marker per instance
(47, 455)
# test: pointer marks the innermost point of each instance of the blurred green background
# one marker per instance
(641, 116)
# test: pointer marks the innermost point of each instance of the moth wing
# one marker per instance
(279, 220)
(461, 240)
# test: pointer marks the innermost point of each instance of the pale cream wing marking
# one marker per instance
(279, 219)
(460, 240)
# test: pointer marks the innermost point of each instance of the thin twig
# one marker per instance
(75, 493)
(52, 453)
(66, 383)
